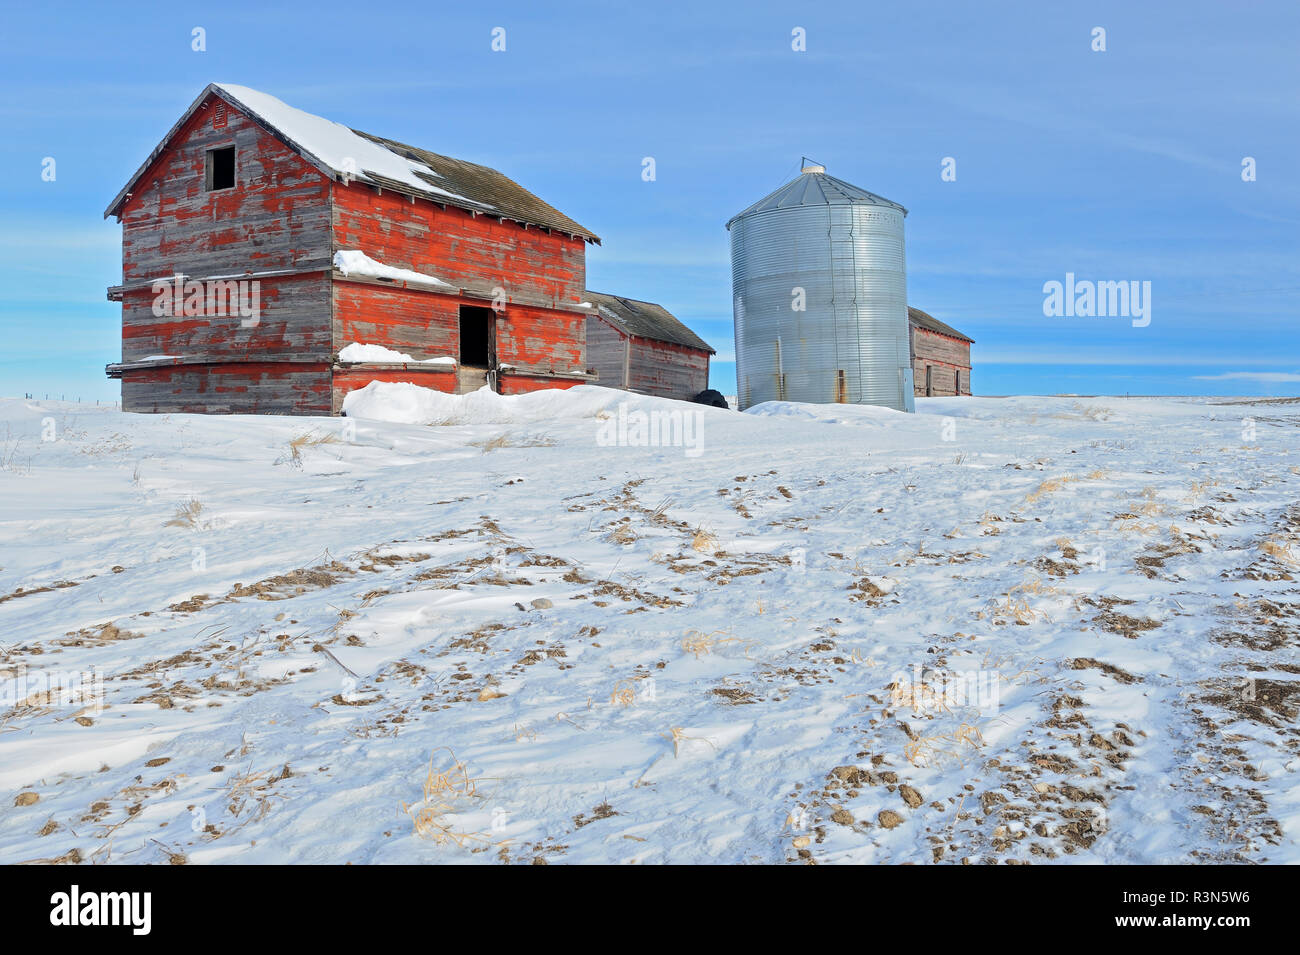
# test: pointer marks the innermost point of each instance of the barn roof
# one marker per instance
(344, 153)
(646, 320)
(930, 323)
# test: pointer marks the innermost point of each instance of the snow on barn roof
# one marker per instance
(348, 154)
(930, 323)
(646, 320)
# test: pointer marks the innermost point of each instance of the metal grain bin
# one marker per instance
(837, 251)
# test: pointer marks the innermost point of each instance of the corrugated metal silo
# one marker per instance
(843, 247)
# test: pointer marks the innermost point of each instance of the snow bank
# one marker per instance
(829, 414)
(568, 520)
(356, 262)
(404, 403)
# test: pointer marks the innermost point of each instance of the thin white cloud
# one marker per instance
(1118, 357)
(1000, 104)
(1263, 377)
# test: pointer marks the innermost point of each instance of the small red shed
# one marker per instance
(641, 347)
(273, 260)
(941, 362)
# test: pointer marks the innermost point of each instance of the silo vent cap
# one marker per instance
(811, 168)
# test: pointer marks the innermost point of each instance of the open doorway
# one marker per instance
(476, 345)
(478, 359)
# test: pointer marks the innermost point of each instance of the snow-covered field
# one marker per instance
(501, 630)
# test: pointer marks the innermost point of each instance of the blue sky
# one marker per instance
(1116, 165)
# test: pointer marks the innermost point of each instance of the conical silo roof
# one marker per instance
(816, 188)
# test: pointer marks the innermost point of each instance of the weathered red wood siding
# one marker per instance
(949, 359)
(607, 352)
(666, 369)
(275, 218)
(512, 384)
(542, 338)
(293, 322)
(292, 327)
(426, 324)
(284, 215)
(459, 247)
(418, 323)
(540, 272)
(274, 387)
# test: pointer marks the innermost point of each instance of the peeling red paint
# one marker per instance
(521, 384)
(226, 388)
(459, 247)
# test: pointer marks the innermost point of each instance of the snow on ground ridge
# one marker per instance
(751, 655)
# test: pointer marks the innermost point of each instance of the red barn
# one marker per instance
(940, 356)
(273, 260)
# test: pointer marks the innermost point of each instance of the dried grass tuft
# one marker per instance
(493, 444)
(509, 441)
(624, 693)
(921, 697)
(702, 644)
(1050, 486)
(1033, 587)
(1150, 506)
(443, 790)
(308, 439)
(678, 736)
(621, 533)
(705, 542)
(1010, 671)
(187, 514)
(937, 747)
(1017, 610)
(1280, 549)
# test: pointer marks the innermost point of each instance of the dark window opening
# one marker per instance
(221, 168)
(476, 336)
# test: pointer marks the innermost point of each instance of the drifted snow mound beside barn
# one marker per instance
(574, 409)
(403, 403)
(579, 407)
(502, 629)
